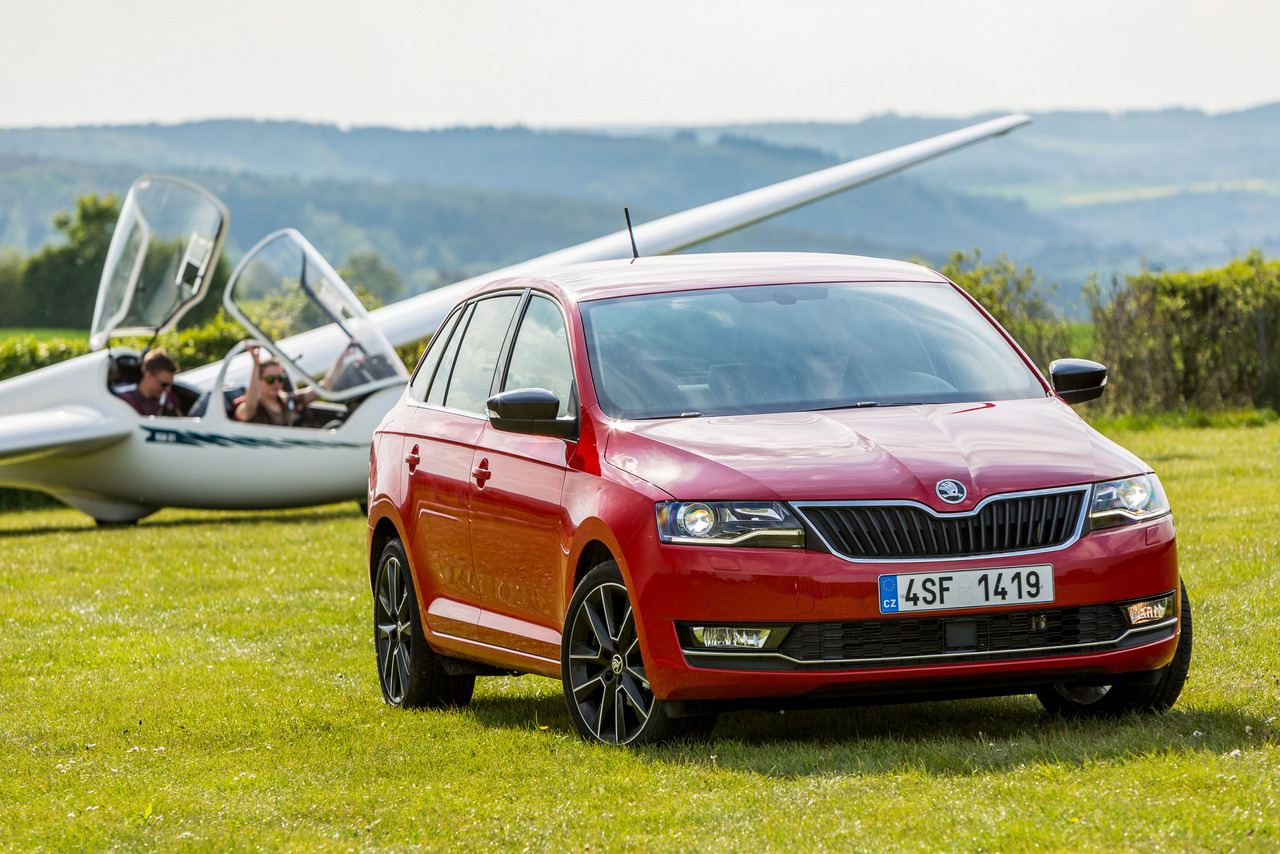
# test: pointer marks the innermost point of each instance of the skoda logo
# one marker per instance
(950, 491)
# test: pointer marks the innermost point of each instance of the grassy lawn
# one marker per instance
(205, 682)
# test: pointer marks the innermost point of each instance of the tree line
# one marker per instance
(56, 286)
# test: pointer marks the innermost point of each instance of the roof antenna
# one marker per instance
(635, 253)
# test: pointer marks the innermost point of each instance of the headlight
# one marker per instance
(1123, 502)
(729, 523)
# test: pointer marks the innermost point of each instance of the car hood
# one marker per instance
(859, 454)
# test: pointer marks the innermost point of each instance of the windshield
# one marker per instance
(797, 348)
(164, 247)
(294, 302)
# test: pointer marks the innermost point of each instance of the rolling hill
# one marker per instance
(1073, 194)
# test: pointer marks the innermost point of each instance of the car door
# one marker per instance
(519, 537)
(441, 430)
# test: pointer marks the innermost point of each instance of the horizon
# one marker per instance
(615, 128)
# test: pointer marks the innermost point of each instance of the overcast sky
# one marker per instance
(582, 63)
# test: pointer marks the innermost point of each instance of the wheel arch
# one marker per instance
(384, 531)
(592, 555)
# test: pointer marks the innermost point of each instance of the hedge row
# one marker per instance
(191, 348)
(25, 353)
(1183, 341)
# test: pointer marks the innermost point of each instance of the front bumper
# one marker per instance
(838, 643)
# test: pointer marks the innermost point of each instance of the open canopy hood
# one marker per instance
(289, 298)
(161, 259)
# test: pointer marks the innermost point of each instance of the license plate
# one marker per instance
(966, 588)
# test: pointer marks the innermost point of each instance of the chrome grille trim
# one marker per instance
(1016, 523)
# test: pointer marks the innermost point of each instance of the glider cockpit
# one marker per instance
(66, 429)
(161, 264)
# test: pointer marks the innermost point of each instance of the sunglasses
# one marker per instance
(274, 378)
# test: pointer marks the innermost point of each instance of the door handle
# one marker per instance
(481, 473)
(413, 459)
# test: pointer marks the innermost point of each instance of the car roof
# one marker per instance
(606, 279)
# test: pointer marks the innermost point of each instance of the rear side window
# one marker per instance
(421, 380)
(471, 378)
(440, 382)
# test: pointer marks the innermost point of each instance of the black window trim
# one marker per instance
(530, 295)
(450, 328)
(504, 352)
(460, 330)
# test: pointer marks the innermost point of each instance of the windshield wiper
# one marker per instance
(861, 404)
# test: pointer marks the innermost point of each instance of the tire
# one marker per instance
(409, 672)
(1114, 700)
(603, 671)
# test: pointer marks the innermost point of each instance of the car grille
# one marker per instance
(915, 641)
(1018, 634)
(908, 531)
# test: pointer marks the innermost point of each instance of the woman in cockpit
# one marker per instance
(267, 400)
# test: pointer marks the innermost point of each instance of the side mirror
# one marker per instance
(1078, 380)
(532, 411)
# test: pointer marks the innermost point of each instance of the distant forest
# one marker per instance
(1073, 194)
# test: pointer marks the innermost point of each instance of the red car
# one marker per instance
(700, 482)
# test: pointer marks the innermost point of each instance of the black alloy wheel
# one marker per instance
(409, 671)
(603, 670)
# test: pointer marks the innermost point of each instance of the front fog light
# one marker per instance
(1150, 611)
(729, 637)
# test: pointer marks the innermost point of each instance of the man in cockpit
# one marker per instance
(153, 394)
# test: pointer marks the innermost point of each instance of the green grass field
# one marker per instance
(205, 682)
